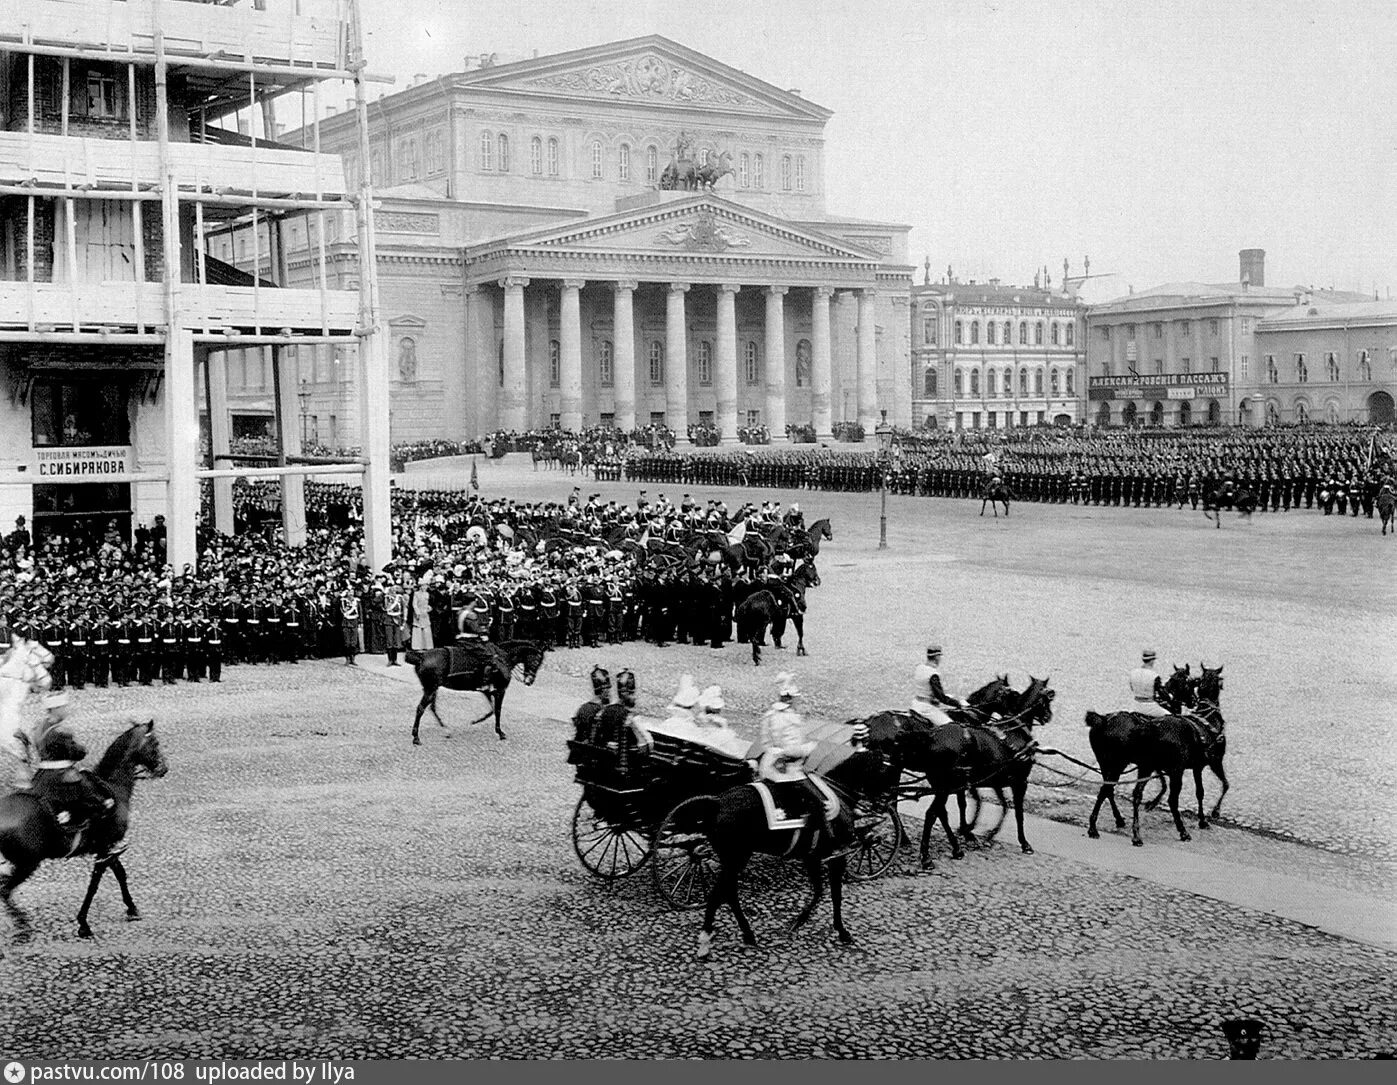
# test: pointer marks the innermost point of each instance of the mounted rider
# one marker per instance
(1147, 687)
(784, 750)
(929, 698)
(82, 805)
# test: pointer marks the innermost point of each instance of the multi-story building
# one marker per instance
(1188, 353)
(118, 157)
(988, 355)
(628, 233)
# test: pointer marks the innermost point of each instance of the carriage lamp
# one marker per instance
(884, 433)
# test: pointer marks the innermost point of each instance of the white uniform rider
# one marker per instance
(783, 741)
(1146, 686)
(929, 699)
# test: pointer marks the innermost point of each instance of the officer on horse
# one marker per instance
(930, 700)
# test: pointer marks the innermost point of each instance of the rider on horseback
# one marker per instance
(1147, 687)
(929, 699)
(80, 801)
(784, 750)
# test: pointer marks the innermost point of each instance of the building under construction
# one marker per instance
(132, 131)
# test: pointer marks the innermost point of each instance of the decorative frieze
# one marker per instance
(650, 78)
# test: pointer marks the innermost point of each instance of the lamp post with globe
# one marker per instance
(884, 433)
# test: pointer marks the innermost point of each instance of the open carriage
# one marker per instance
(642, 806)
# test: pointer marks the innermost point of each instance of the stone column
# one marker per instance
(676, 363)
(776, 362)
(293, 487)
(867, 347)
(220, 434)
(725, 364)
(623, 357)
(374, 391)
(570, 350)
(512, 395)
(820, 362)
(182, 448)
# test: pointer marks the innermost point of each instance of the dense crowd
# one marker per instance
(569, 574)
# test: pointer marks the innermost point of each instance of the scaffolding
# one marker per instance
(86, 168)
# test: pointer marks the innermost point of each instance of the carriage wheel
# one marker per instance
(685, 867)
(878, 833)
(607, 849)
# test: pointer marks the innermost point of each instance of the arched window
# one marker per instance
(703, 156)
(959, 335)
(929, 384)
(744, 165)
(1007, 388)
(1038, 334)
(552, 158)
(1008, 333)
(960, 382)
(1365, 370)
(1302, 412)
(1037, 382)
(657, 362)
(974, 382)
(705, 363)
(487, 151)
(502, 145)
(1273, 373)
(1023, 333)
(555, 363)
(800, 173)
(990, 328)
(785, 173)
(974, 331)
(652, 165)
(623, 162)
(1331, 365)
(749, 358)
(990, 377)
(1053, 333)
(596, 160)
(536, 156)
(606, 371)
(1070, 391)
(1023, 382)
(758, 172)
(1071, 334)
(1331, 412)
(1302, 372)
(1055, 380)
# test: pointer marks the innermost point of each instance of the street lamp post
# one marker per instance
(884, 433)
(303, 394)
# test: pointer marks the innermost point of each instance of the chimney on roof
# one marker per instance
(1253, 263)
(419, 79)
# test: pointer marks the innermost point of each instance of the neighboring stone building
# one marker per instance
(991, 356)
(1190, 353)
(546, 256)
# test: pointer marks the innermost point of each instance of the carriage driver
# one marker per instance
(1146, 687)
(929, 699)
(784, 750)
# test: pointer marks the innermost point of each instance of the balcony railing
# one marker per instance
(47, 160)
(126, 28)
(203, 308)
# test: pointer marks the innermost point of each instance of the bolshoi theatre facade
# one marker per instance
(627, 234)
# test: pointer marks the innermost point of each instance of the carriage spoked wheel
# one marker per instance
(608, 849)
(878, 833)
(685, 866)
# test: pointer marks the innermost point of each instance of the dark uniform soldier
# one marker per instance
(80, 643)
(99, 656)
(122, 645)
(171, 650)
(232, 622)
(54, 638)
(507, 614)
(144, 655)
(584, 721)
(213, 645)
(192, 626)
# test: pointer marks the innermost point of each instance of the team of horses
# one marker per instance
(568, 456)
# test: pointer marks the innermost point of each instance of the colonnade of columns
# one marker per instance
(513, 401)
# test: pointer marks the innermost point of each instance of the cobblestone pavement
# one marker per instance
(313, 885)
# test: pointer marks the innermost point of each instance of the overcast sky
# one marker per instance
(1156, 136)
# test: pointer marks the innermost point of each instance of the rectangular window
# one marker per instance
(1158, 329)
(607, 419)
(1213, 327)
(1246, 325)
(536, 155)
(1215, 364)
(1246, 365)
(743, 178)
(758, 172)
(786, 173)
(1071, 334)
(1185, 365)
(66, 413)
(1023, 418)
(657, 418)
(1159, 365)
(1185, 328)
(1042, 417)
(623, 162)
(800, 173)
(555, 420)
(657, 363)
(596, 161)
(974, 419)
(705, 363)
(555, 364)
(1105, 334)
(929, 331)
(990, 420)
(552, 158)
(1130, 332)
(104, 97)
(754, 418)
(606, 370)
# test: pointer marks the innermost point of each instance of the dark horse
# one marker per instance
(1160, 744)
(994, 496)
(434, 670)
(1238, 498)
(772, 604)
(1387, 507)
(956, 757)
(737, 830)
(29, 834)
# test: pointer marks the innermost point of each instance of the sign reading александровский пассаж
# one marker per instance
(88, 461)
(1157, 386)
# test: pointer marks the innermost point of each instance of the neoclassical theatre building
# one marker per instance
(630, 233)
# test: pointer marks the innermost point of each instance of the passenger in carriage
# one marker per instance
(714, 727)
(929, 699)
(784, 750)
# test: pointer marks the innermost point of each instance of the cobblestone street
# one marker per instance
(313, 885)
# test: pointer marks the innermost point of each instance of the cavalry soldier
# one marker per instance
(929, 699)
(1147, 687)
(82, 803)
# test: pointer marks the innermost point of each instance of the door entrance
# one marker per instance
(83, 512)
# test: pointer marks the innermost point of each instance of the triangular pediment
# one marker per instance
(698, 224)
(652, 71)
(407, 320)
